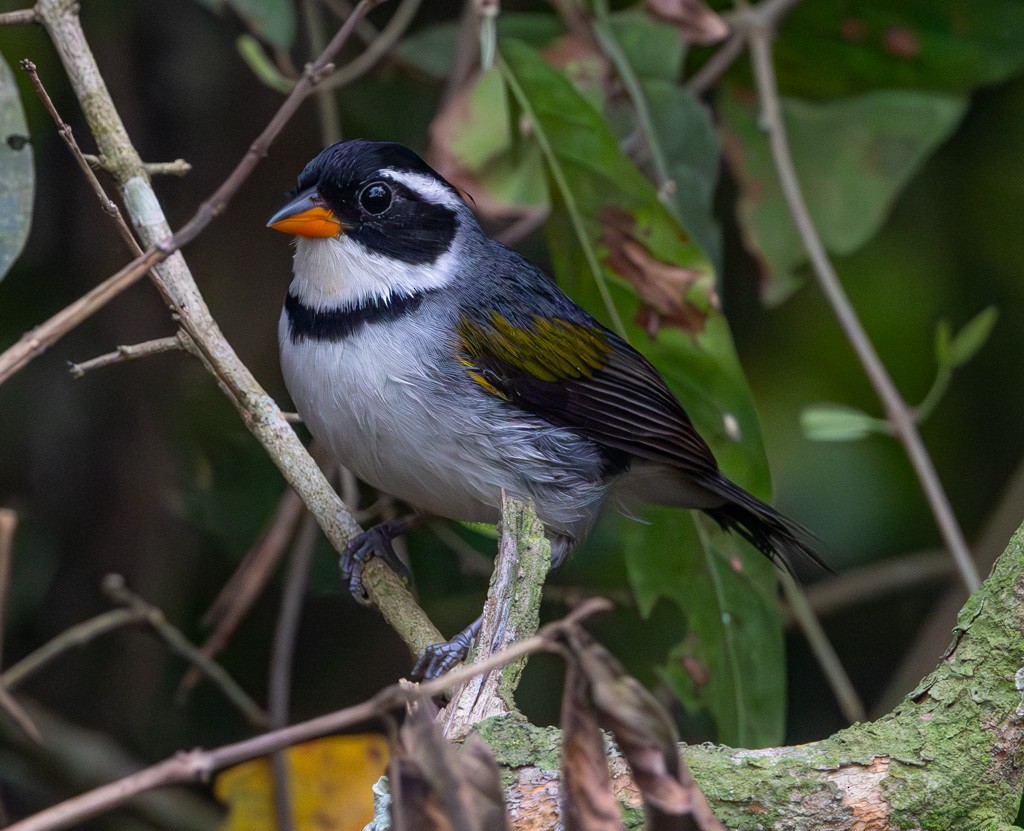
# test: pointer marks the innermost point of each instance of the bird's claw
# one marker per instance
(373, 543)
(438, 658)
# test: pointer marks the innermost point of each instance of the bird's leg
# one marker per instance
(376, 542)
(438, 658)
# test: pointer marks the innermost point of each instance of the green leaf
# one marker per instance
(17, 175)
(732, 661)
(682, 142)
(966, 343)
(852, 157)
(653, 49)
(836, 422)
(589, 178)
(432, 48)
(271, 20)
(830, 48)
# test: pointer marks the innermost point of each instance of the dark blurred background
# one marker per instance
(144, 469)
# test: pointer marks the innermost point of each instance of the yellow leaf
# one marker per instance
(330, 782)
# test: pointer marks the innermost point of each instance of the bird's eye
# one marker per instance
(375, 197)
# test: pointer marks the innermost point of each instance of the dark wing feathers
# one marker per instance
(579, 375)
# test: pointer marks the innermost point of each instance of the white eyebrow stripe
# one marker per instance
(426, 186)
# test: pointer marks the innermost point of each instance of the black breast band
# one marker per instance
(338, 324)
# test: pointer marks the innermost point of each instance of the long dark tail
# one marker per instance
(776, 536)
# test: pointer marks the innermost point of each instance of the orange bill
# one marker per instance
(306, 216)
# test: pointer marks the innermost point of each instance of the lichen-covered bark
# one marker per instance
(948, 758)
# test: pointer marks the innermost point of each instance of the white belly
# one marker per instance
(369, 401)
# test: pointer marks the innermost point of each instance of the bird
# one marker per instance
(443, 368)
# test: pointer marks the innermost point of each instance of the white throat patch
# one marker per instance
(338, 271)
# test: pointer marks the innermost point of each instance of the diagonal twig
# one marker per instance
(130, 352)
(898, 413)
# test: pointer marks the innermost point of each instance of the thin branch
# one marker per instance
(78, 635)
(377, 48)
(8, 526)
(20, 17)
(824, 653)
(716, 66)
(36, 341)
(179, 167)
(17, 714)
(877, 580)
(326, 106)
(281, 660)
(899, 414)
(314, 74)
(115, 588)
(199, 765)
(131, 352)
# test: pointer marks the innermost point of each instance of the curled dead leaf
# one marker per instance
(696, 22)
(662, 287)
(587, 801)
(645, 733)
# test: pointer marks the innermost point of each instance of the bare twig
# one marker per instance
(824, 653)
(179, 167)
(377, 48)
(130, 352)
(342, 10)
(17, 714)
(33, 343)
(77, 635)
(898, 413)
(115, 588)
(877, 580)
(716, 66)
(8, 525)
(199, 765)
(20, 17)
(252, 574)
(326, 106)
(281, 659)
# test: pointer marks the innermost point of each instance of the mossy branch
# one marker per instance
(948, 757)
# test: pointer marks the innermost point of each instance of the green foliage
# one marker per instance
(957, 350)
(831, 48)
(17, 177)
(853, 157)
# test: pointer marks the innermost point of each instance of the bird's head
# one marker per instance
(376, 208)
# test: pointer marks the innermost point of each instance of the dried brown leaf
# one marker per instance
(662, 287)
(696, 22)
(587, 801)
(645, 733)
(434, 785)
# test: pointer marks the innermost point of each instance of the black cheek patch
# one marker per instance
(416, 233)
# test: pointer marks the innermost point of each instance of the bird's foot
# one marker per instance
(438, 658)
(375, 543)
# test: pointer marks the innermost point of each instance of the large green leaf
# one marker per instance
(852, 156)
(682, 143)
(590, 179)
(830, 48)
(732, 662)
(17, 176)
